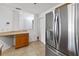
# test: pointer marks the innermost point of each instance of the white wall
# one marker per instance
(34, 31)
(26, 20)
(15, 22)
(22, 20)
(5, 16)
(42, 29)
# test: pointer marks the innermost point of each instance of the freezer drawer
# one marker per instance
(50, 51)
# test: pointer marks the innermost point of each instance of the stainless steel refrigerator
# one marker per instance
(62, 31)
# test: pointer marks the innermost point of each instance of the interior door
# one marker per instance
(50, 29)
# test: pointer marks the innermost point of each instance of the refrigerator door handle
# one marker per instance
(57, 29)
(55, 35)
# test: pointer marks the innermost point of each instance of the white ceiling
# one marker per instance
(31, 8)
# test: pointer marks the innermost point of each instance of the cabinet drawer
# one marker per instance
(21, 35)
(18, 40)
(22, 40)
(21, 45)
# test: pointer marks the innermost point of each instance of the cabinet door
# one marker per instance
(25, 39)
(22, 40)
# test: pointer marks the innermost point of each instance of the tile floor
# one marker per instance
(34, 49)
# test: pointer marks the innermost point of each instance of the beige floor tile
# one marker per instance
(34, 49)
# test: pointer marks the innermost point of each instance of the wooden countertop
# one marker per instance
(13, 32)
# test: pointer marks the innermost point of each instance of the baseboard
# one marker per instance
(42, 42)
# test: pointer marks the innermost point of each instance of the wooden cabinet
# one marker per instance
(22, 40)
